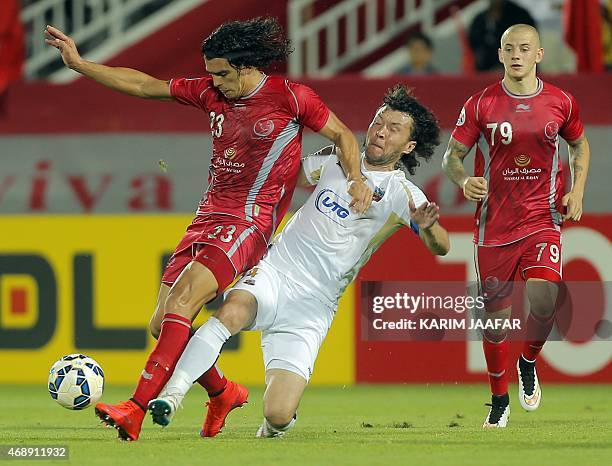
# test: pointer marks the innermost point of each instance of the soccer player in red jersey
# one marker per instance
(519, 190)
(256, 122)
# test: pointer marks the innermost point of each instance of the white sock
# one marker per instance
(269, 430)
(200, 355)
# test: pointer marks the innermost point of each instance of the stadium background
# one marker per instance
(88, 218)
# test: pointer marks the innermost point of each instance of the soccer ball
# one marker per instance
(76, 381)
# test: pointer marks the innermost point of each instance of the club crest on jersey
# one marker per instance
(522, 160)
(332, 206)
(491, 283)
(378, 194)
(551, 130)
(229, 153)
(263, 127)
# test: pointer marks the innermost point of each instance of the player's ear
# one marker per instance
(499, 56)
(409, 147)
(539, 55)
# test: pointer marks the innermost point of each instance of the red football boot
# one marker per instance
(234, 396)
(126, 417)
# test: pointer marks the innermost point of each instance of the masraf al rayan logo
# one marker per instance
(332, 206)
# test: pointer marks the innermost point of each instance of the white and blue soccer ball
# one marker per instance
(76, 381)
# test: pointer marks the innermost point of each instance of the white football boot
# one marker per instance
(530, 393)
(499, 413)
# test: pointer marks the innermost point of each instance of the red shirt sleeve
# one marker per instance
(308, 106)
(467, 129)
(190, 91)
(573, 128)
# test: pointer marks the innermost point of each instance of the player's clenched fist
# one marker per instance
(573, 203)
(64, 44)
(475, 188)
(361, 194)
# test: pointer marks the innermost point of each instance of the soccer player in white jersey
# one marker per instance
(291, 296)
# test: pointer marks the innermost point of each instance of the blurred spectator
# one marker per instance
(606, 25)
(11, 48)
(583, 33)
(487, 28)
(420, 50)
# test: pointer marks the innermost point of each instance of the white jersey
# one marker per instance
(325, 243)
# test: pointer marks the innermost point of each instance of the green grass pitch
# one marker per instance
(369, 425)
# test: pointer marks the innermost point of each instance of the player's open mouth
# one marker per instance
(517, 67)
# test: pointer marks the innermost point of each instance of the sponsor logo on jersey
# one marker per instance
(461, 119)
(551, 130)
(332, 206)
(523, 108)
(229, 153)
(263, 127)
(522, 160)
(520, 172)
(226, 165)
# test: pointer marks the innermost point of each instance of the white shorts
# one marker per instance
(293, 323)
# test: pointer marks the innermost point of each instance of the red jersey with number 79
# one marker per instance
(517, 151)
(257, 146)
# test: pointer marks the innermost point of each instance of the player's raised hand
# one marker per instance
(573, 203)
(475, 188)
(425, 215)
(361, 194)
(64, 44)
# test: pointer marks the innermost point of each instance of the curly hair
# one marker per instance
(254, 43)
(425, 129)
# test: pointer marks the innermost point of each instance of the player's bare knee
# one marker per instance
(178, 302)
(238, 312)
(232, 318)
(542, 308)
(279, 415)
(542, 297)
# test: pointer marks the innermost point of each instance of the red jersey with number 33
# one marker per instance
(517, 138)
(257, 145)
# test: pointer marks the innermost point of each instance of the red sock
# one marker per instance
(496, 354)
(158, 369)
(213, 381)
(537, 330)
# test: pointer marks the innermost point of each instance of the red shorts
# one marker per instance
(537, 256)
(226, 245)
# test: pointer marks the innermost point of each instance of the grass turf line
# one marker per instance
(388, 424)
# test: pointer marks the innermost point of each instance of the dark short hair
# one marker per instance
(425, 127)
(418, 35)
(254, 43)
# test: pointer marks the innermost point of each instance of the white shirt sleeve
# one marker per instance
(313, 164)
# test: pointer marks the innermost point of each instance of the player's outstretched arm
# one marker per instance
(474, 187)
(343, 138)
(580, 156)
(434, 236)
(124, 80)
